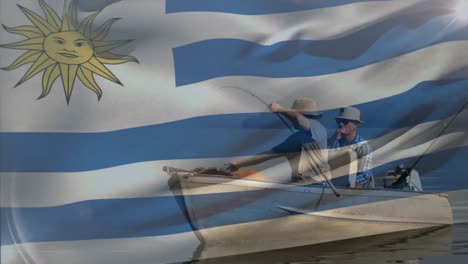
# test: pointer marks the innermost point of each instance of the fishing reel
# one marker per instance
(396, 179)
(403, 178)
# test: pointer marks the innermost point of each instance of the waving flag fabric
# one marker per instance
(170, 82)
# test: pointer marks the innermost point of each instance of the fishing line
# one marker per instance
(443, 130)
(261, 100)
(408, 173)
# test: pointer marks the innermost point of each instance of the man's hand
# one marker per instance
(233, 165)
(338, 134)
(358, 186)
(275, 107)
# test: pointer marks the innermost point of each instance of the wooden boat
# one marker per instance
(399, 247)
(232, 215)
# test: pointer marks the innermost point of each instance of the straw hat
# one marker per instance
(350, 113)
(306, 106)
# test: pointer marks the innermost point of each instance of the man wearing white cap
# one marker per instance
(346, 136)
(306, 149)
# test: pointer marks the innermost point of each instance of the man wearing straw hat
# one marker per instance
(306, 149)
(346, 136)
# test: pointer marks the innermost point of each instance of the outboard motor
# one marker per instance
(403, 178)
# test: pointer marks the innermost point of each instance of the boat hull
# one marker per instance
(237, 216)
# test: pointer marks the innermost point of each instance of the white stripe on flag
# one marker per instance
(272, 28)
(150, 250)
(362, 85)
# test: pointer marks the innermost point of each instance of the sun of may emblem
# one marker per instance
(64, 47)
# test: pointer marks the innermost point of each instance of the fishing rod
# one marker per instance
(330, 184)
(261, 100)
(407, 172)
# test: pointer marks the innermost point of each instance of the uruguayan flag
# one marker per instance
(127, 87)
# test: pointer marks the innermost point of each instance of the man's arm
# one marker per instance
(235, 165)
(365, 163)
(292, 115)
(333, 141)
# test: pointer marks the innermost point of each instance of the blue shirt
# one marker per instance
(313, 143)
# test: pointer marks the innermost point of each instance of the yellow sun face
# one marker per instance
(68, 47)
(63, 47)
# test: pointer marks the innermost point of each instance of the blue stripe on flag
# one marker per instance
(211, 136)
(157, 216)
(253, 7)
(96, 219)
(213, 58)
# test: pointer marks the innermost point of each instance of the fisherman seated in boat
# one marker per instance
(346, 137)
(305, 149)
